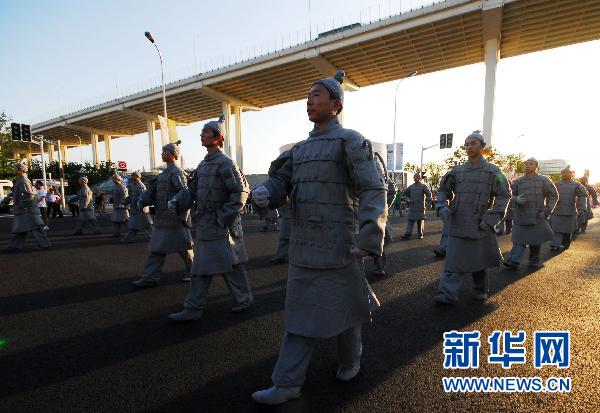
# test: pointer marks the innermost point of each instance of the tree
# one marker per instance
(459, 156)
(411, 168)
(434, 172)
(6, 146)
(508, 163)
(73, 171)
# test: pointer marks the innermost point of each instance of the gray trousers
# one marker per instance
(236, 281)
(379, 262)
(116, 226)
(518, 250)
(444, 237)
(156, 260)
(132, 234)
(409, 227)
(561, 239)
(17, 240)
(81, 224)
(282, 248)
(451, 283)
(296, 352)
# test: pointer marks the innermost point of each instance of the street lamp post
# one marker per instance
(411, 74)
(80, 150)
(423, 149)
(162, 73)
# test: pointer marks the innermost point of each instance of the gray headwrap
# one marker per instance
(217, 126)
(477, 135)
(334, 84)
(417, 175)
(83, 179)
(20, 166)
(136, 174)
(532, 159)
(173, 147)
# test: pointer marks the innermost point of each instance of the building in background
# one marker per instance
(552, 166)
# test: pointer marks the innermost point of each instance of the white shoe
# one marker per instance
(187, 315)
(46, 228)
(347, 373)
(442, 299)
(276, 395)
(481, 296)
(238, 308)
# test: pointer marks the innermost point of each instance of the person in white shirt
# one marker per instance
(53, 201)
(40, 197)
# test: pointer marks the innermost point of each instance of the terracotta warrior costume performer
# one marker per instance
(326, 177)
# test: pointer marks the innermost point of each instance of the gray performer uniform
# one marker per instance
(534, 199)
(418, 197)
(506, 225)
(379, 262)
(219, 191)
(591, 201)
(27, 216)
(87, 215)
(571, 203)
(477, 194)
(444, 214)
(171, 228)
(140, 219)
(326, 176)
(120, 214)
(284, 235)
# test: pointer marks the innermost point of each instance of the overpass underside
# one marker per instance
(449, 34)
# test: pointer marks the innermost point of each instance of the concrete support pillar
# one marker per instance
(95, 154)
(107, 141)
(239, 147)
(492, 55)
(64, 153)
(492, 25)
(151, 126)
(227, 143)
(51, 150)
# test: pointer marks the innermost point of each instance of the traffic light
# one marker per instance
(449, 140)
(15, 129)
(442, 141)
(26, 133)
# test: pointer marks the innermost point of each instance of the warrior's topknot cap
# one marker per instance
(477, 135)
(217, 126)
(334, 84)
(173, 147)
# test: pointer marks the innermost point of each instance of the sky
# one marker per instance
(65, 55)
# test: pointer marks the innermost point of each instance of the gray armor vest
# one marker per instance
(322, 202)
(85, 200)
(23, 196)
(212, 193)
(417, 193)
(136, 189)
(119, 194)
(588, 200)
(472, 198)
(165, 191)
(567, 194)
(532, 188)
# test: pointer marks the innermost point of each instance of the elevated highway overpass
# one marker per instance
(441, 36)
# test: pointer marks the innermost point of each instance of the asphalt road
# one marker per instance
(76, 337)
